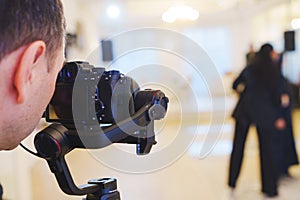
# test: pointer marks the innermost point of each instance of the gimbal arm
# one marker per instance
(55, 141)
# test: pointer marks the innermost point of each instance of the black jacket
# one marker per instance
(258, 102)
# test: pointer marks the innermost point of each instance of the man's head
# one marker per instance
(31, 55)
(25, 21)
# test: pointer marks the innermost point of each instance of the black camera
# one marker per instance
(93, 108)
(105, 97)
(90, 101)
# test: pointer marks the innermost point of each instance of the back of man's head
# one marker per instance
(25, 21)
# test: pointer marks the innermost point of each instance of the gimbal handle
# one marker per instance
(53, 144)
(65, 181)
(55, 141)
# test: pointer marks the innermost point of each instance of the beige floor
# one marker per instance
(189, 177)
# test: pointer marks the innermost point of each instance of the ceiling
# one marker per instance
(155, 6)
(148, 13)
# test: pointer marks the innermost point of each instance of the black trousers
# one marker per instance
(268, 149)
(290, 156)
(271, 154)
(237, 154)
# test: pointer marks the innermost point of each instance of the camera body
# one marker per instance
(98, 96)
(115, 97)
(87, 99)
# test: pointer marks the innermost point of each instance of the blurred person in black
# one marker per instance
(264, 101)
(288, 156)
(1, 192)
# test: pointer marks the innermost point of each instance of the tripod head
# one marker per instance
(86, 98)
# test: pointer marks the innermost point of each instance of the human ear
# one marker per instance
(32, 55)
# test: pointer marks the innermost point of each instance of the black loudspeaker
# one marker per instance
(289, 41)
(107, 50)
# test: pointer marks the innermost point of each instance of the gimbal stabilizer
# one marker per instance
(58, 139)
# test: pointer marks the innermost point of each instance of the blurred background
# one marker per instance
(224, 30)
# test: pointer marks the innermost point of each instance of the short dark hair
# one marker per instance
(25, 21)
